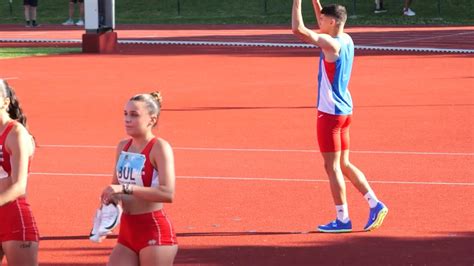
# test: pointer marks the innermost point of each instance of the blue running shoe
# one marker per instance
(376, 216)
(336, 226)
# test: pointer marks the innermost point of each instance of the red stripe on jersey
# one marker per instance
(330, 70)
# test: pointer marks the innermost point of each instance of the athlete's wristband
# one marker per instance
(127, 189)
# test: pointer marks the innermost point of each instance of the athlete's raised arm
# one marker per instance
(322, 40)
(317, 9)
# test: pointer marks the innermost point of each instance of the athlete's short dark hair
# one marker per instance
(336, 11)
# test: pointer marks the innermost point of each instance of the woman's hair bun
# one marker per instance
(157, 96)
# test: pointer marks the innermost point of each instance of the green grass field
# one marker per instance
(35, 51)
(251, 12)
(432, 12)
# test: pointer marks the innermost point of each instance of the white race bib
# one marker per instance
(3, 173)
(130, 167)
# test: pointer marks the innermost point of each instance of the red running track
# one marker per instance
(251, 187)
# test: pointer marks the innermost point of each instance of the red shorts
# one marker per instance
(333, 132)
(149, 229)
(17, 222)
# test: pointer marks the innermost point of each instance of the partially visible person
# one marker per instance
(30, 7)
(379, 7)
(407, 11)
(335, 112)
(72, 5)
(19, 235)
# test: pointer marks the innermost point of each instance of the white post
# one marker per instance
(110, 14)
(91, 15)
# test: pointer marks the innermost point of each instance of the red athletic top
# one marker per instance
(149, 173)
(5, 166)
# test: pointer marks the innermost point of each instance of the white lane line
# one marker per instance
(422, 38)
(264, 150)
(269, 179)
(77, 146)
(249, 44)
